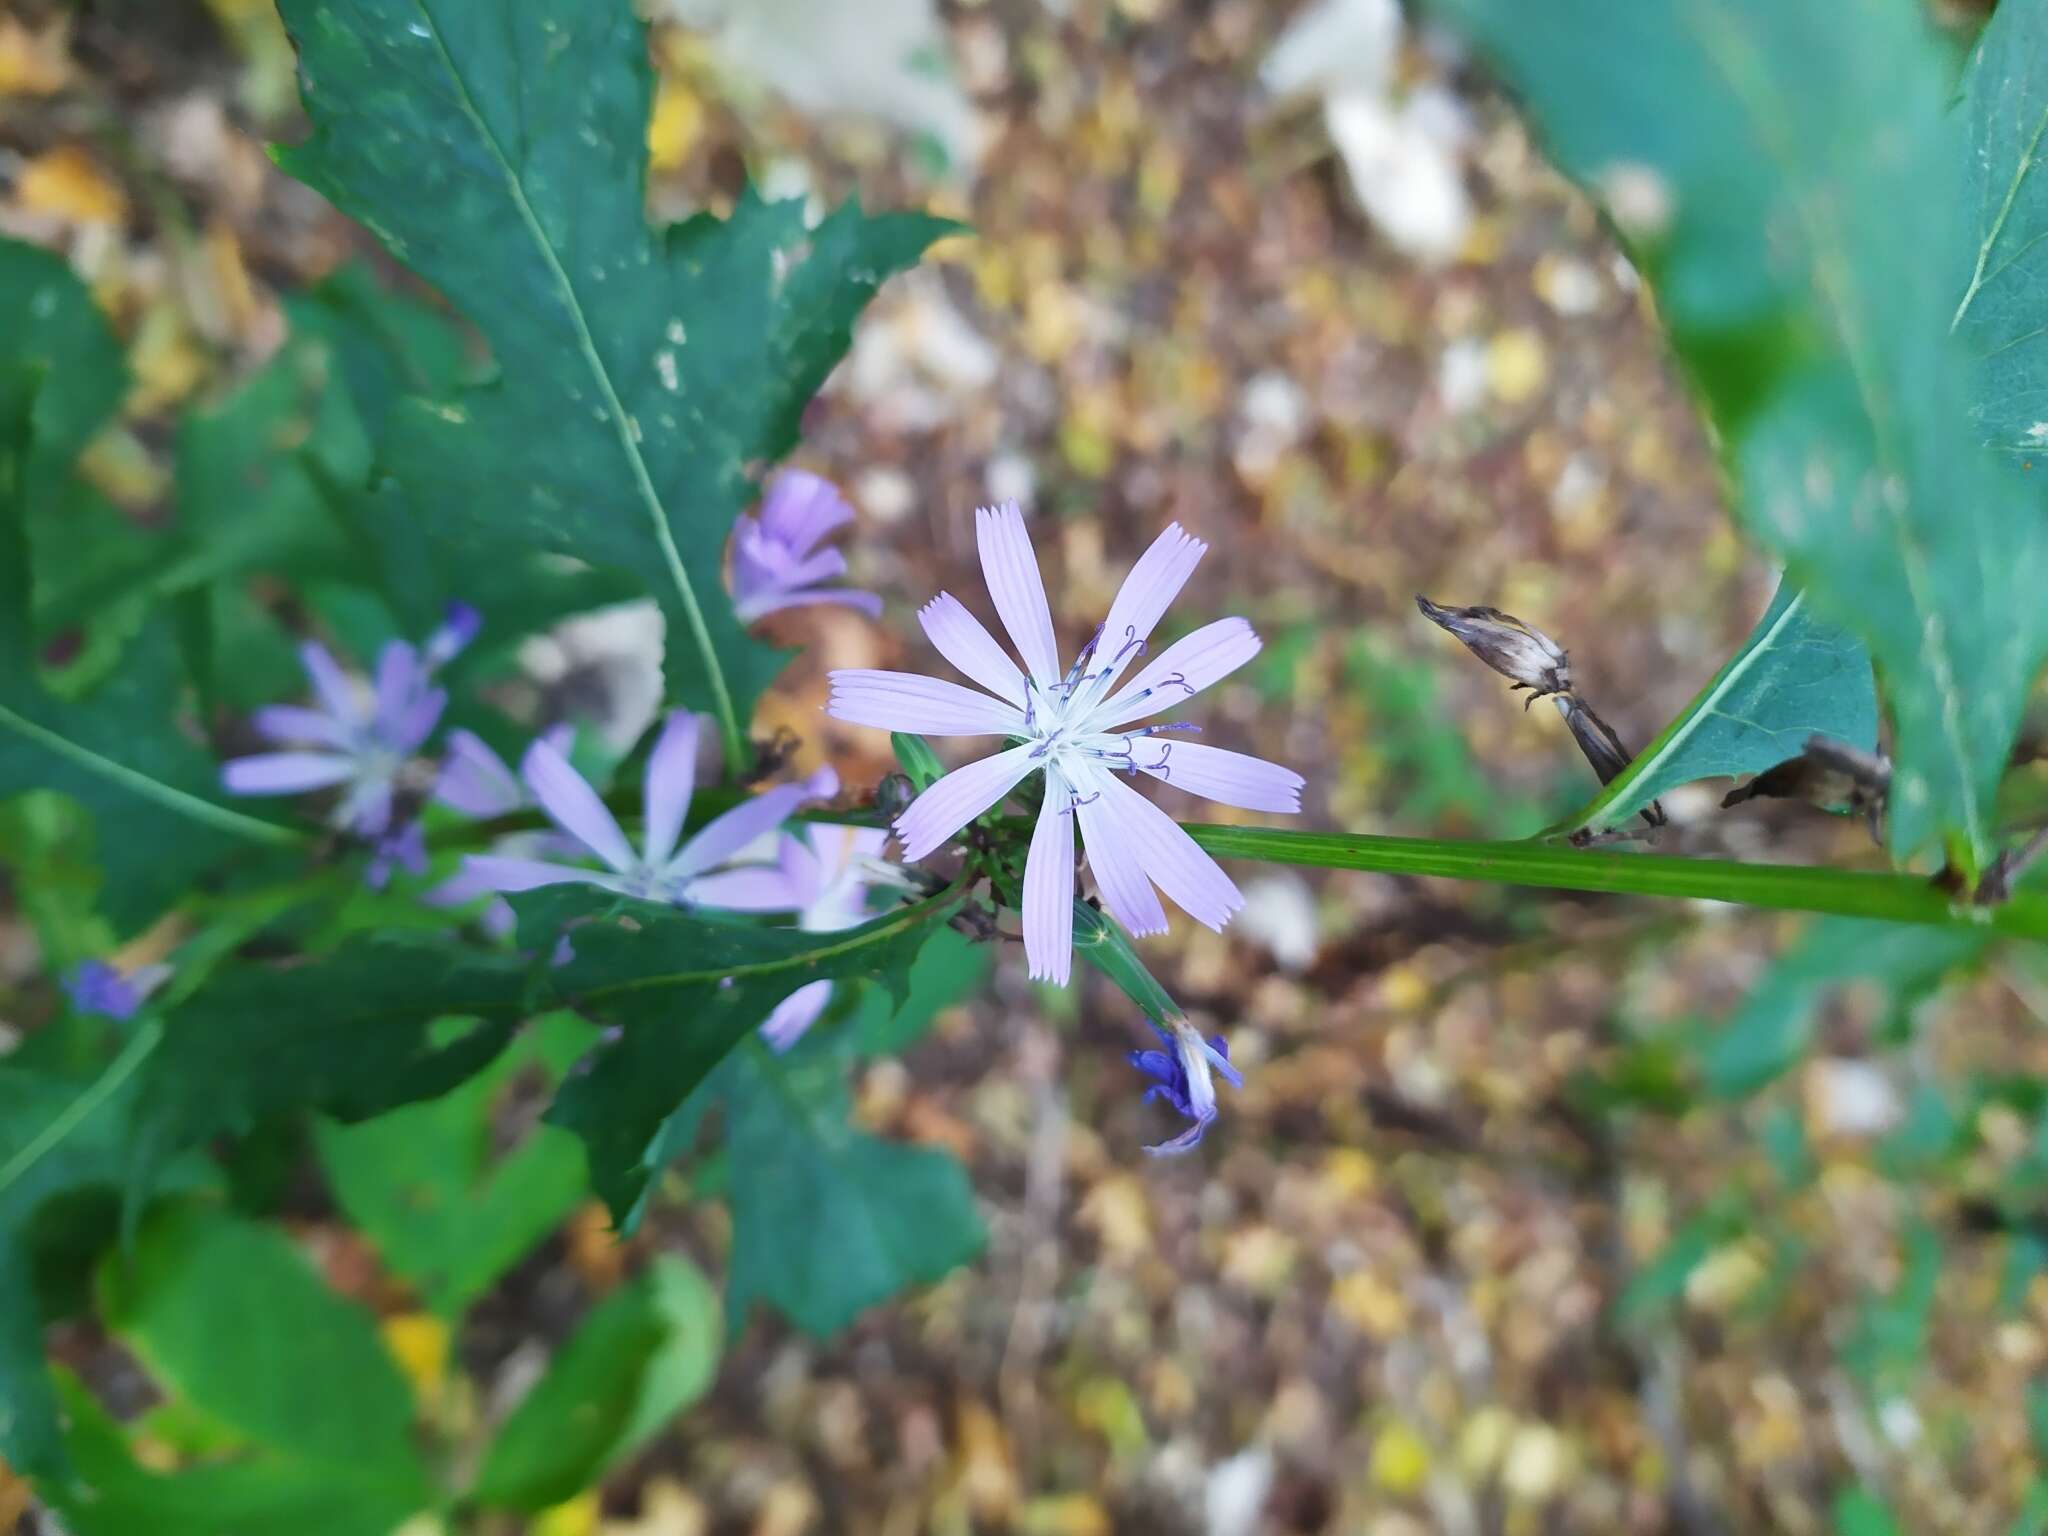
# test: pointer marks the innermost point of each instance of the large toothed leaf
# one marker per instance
(827, 1219)
(682, 990)
(119, 749)
(1797, 675)
(498, 148)
(1758, 169)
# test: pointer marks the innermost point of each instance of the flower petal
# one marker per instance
(483, 872)
(726, 835)
(847, 597)
(400, 681)
(801, 508)
(748, 888)
(670, 782)
(1010, 568)
(295, 723)
(1215, 773)
(1181, 671)
(1195, 882)
(284, 773)
(1153, 583)
(795, 1014)
(1049, 889)
(1115, 862)
(1186, 1141)
(475, 780)
(959, 797)
(959, 637)
(927, 706)
(332, 686)
(573, 805)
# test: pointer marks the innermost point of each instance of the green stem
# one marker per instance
(1779, 887)
(165, 795)
(138, 1049)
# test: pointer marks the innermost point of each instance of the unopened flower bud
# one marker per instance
(1523, 654)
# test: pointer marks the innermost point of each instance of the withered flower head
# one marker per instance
(1602, 748)
(1520, 652)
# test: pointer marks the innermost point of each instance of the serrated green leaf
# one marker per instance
(229, 1315)
(644, 1354)
(828, 1220)
(445, 1211)
(1757, 169)
(683, 989)
(1797, 675)
(117, 750)
(498, 148)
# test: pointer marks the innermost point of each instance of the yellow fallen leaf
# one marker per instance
(1516, 368)
(674, 127)
(67, 182)
(418, 1341)
(34, 62)
(1400, 1460)
(573, 1517)
(119, 467)
(165, 361)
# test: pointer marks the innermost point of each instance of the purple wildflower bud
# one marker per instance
(96, 987)
(776, 561)
(1181, 1075)
(1077, 727)
(403, 847)
(458, 628)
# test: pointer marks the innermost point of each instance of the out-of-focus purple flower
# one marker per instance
(823, 874)
(776, 562)
(1182, 1079)
(658, 870)
(356, 740)
(96, 987)
(1072, 726)
(477, 783)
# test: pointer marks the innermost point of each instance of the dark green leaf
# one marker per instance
(424, 1185)
(498, 148)
(118, 750)
(1757, 168)
(683, 989)
(231, 1317)
(828, 1220)
(643, 1355)
(260, 1495)
(1796, 676)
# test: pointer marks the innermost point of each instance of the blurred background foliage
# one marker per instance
(1538, 1212)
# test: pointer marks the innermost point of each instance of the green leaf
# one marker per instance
(683, 989)
(2001, 313)
(1859, 1512)
(260, 1495)
(949, 969)
(444, 1211)
(640, 372)
(1658, 1284)
(351, 1034)
(230, 1316)
(1796, 676)
(118, 750)
(1757, 169)
(919, 762)
(1099, 941)
(1772, 1030)
(828, 1220)
(644, 1354)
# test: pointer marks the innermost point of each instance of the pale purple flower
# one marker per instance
(658, 870)
(776, 561)
(97, 987)
(823, 874)
(477, 783)
(1182, 1079)
(1072, 725)
(358, 740)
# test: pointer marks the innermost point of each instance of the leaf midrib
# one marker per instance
(586, 343)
